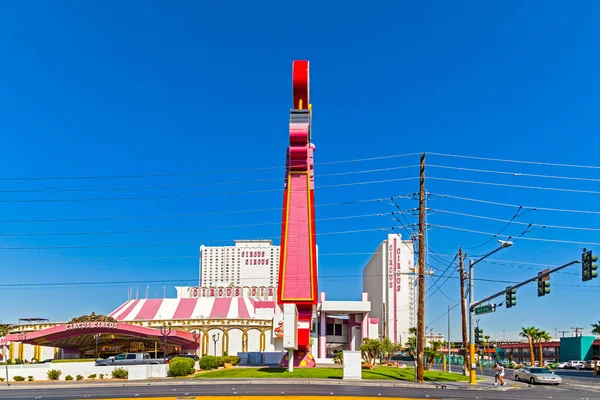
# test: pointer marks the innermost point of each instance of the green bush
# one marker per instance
(120, 373)
(18, 378)
(79, 377)
(54, 374)
(30, 378)
(210, 362)
(68, 378)
(181, 366)
(233, 360)
(1, 379)
(101, 376)
(92, 376)
(18, 361)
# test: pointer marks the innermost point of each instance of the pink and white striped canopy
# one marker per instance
(194, 308)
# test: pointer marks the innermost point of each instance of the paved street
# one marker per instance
(257, 389)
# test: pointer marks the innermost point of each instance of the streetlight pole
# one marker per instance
(503, 245)
(196, 336)
(97, 338)
(215, 338)
(165, 331)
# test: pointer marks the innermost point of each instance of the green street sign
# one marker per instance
(485, 309)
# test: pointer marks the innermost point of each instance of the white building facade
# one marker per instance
(250, 263)
(388, 279)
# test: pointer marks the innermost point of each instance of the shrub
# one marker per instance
(210, 362)
(79, 377)
(68, 378)
(18, 361)
(233, 360)
(181, 366)
(101, 376)
(92, 376)
(1, 379)
(34, 360)
(120, 373)
(18, 378)
(30, 378)
(54, 374)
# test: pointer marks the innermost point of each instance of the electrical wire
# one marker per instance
(536, 208)
(517, 161)
(515, 174)
(181, 196)
(516, 186)
(524, 238)
(149, 175)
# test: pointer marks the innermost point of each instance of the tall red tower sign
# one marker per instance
(298, 264)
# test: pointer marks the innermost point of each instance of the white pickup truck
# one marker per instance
(129, 359)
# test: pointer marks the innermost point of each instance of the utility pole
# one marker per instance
(463, 309)
(577, 330)
(562, 333)
(449, 345)
(147, 288)
(421, 308)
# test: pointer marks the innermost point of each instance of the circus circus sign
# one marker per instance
(92, 325)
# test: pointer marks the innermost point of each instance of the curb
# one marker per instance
(328, 382)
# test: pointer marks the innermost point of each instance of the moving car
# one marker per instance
(537, 375)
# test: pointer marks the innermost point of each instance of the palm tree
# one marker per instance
(596, 328)
(542, 336)
(530, 333)
(486, 343)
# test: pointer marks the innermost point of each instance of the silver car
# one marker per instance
(537, 375)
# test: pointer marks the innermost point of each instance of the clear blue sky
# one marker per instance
(110, 88)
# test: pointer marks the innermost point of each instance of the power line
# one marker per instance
(515, 174)
(524, 238)
(206, 184)
(178, 229)
(177, 243)
(516, 186)
(518, 222)
(181, 196)
(517, 161)
(565, 210)
(167, 216)
(149, 175)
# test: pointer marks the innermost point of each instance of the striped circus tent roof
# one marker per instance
(194, 308)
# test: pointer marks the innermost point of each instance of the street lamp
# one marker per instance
(215, 338)
(165, 331)
(196, 336)
(504, 244)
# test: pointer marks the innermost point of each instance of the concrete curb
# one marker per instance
(482, 386)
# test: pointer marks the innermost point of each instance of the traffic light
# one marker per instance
(588, 267)
(543, 286)
(511, 298)
(478, 336)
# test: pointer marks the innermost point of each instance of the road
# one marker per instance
(280, 391)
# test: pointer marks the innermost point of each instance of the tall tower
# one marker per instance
(298, 265)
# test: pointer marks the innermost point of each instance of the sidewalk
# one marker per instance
(485, 384)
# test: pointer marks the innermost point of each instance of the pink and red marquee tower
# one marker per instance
(298, 264)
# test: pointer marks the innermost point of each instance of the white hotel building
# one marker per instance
(391, 287)
(247, 263)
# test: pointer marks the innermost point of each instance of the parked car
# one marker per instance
(537, 375)
(559, 365)
(575, 364)
(129, 359)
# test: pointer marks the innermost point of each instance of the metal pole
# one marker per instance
(472, 377)
(463, 311)
(449, 345)
(5, 350)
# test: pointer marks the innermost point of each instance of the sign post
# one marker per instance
(290, 332)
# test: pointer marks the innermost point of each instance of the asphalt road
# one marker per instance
(279, 391)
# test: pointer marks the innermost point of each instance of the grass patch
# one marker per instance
(386, 373)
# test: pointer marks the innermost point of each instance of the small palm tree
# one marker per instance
(596, 328)
(542, 336)
(530, 333)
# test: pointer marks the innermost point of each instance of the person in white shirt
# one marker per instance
(499, 375)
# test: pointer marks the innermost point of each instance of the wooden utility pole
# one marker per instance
(463, 308)
(577, 330)
(421, 295)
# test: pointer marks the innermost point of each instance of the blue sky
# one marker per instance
(113, 89)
